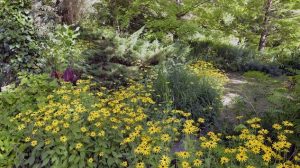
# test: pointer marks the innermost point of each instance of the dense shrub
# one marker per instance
(114, 57)
(291, 60)
(192, 92)
(225, 56)
(235, 58)
(62, 49)
(18, 41)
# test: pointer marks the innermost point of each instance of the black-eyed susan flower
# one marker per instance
(63, 139)
(224, 160)
(78, 146)
(34, 143)
(241, 157)
(197, 162)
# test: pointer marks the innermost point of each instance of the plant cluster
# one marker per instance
(62, 49)
(194, 88)
(18, 41)
(225, 56)
(30, 94)
(112, 57)
(77, 127)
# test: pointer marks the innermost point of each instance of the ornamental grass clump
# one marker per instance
(197, 92)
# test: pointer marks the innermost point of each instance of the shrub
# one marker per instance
(116, 57)
(291, 60)
(19, 43)
(225, 56)
(62, 49)
(188, 91)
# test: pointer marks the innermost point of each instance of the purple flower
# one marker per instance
(70, 76)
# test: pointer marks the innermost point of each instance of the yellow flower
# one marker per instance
(101, 154)
(33, 143)
(239, 117)
(267, 157)
(255, 126)
(287, 124)
(224, 160)
(281, 137)
(183, 154)
(47, 141)
(101, 133)
(83, 129)
(124, 164)
(78, 145)
(263, 131)
(209, 144)
(156, 149)
(202, 138)
(140, 165)
(93, 134)
(185, 164)
(189, 128)
(277, 126)
(165, 160)
(288, 131)
(27, 139)
(63, 139)
(282, 165)
(90, 160)
(249, 166)
(197, 162)
(201, 120)
(199, 153)
(241, 157)
(66, 125)
(297, 157)
(165, 137)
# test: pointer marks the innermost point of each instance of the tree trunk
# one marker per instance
(265, 26)
(70, 10)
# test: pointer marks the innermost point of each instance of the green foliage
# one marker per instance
(76, 127)
(259, 76)
(289, 58)
(117, 57)
(160, 18)
(7, 142)
(286, 105)
(62, 50)
(137, 50)
(225, 56)
(187, 92)
(19, 46)
(29, 94)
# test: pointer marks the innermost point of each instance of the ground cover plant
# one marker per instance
(114, 128)
(149, 84)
